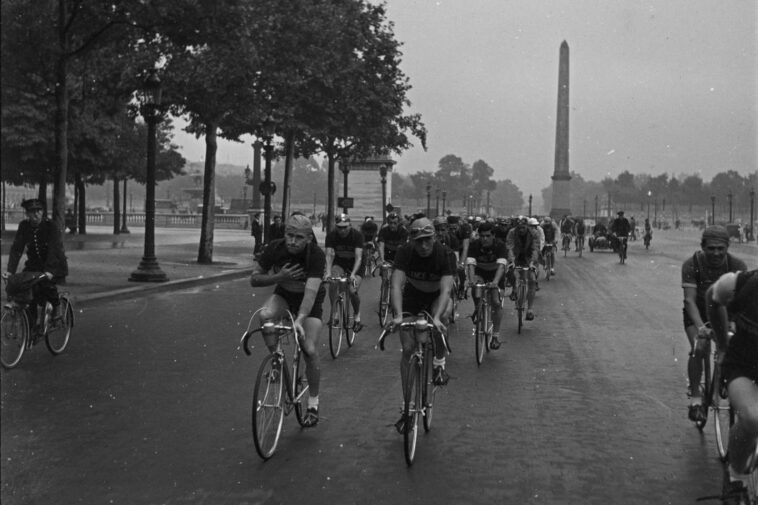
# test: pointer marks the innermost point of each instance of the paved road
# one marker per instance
(152, 405)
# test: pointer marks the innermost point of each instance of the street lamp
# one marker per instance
(383, 174)
(530, 205)
(596, 206)
(584, 209)
(730, 196)
(752, 216)
(713, 209)
(345, 168)
(124, 228)
(437, 202)
(267, 188)
(428, 199)
(444, 196)
(148, 269)
(649, 194)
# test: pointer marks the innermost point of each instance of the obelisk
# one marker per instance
(561, 204)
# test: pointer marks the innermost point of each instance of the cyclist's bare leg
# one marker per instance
(273, 308)
(743, 397)
(409, 345)
(337, 271)
(439, 347)
(497, 312)
(694, 365)
(355, 299)
(312, 327)
(531, 283)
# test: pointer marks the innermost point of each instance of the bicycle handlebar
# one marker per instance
(268, 327)
(421, 323)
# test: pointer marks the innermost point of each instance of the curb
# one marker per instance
(91, 299)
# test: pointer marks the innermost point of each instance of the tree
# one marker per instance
(455, 175)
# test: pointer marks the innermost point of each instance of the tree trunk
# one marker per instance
(82, 205)
(290, 153)
(205, 250)
(61, 119)
(116, 207)
(330, 193)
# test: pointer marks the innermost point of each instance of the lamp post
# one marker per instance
(730, 196)
(124, 228)
(655, 213)
(596, 204)
(148, 269)
(584, 209)
(437, 202)
(649, 194)
(444, 197)
(267, 187)
(428, 199)
(713, 209)
(530, 205)
(345, 168)
(383, 174)
(752, 216)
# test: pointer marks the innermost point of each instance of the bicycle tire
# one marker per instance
(299, 386)
(59, 332)
(488, 328)
(336, 328)
(706, 386)
(479, 334)
(413, 398)
(548, 265)
(521, 304)
(15, 336)
(349, 332)
(268, 408)
(384, 304)
(723, 419)
(429, 389)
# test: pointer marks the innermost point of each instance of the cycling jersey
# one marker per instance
(344, 247)
(486, 260)
(369, 230)
(392, 240)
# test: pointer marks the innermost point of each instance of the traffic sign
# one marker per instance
(345, 202)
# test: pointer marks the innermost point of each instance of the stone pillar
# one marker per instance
(256, 205)
(561, 203)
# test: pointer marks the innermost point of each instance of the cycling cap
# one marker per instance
(343, 220)
(620, 213)
(522, 220)
(421, 228)
(32, 204)
(533, 222)
(299, 222)
(716, 233)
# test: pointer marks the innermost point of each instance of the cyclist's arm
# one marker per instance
(261, 277)
(357, 263)
(398, 280)
(719, 294)
(16, 252)
(470, 266)
(380, 247)
(446, 286)
(690, 293)
(312, 285)
(329, 260)
(464, 250)
(501, 263)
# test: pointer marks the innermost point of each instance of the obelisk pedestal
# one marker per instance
(561, 202)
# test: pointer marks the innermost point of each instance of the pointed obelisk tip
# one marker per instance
(564, 44)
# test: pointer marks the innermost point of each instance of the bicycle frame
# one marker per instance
(483, 326)
(521, 280)
(386, 269)
(340, 310)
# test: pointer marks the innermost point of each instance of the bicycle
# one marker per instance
(420, 390)
(483, 318)
(548, 254)
(339, 317)
(622, 246)
(372, 259)
(579, 244)
(276, 377)
(520, 273)
(17, 335)
(384, 294)
(566, 244)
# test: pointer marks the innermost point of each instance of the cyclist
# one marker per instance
(567, 228)
(633, 226)
(344, 256)
(738, 293)
(464, 238)
(297, 267)
(551, 232)
(534, 225)
(369, 229)
(449, 240)
(648, 231)
(391, 236)
(699, 271)
(486, 263)
(579, 230)
(43, 243)
(522, 247)
(620, 228)
(422, 281)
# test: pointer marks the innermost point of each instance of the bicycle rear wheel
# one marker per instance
(430, 389)
(59, 331)
(300, 387)
(384, 304)
(336, 328)
(479, 333)
(412, 406)
(15, 335)
(520, 305)
(268, 408)
(706, 387)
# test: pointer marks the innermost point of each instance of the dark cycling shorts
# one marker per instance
(295, 299)
(741, 358)
(489, 276)
(415, 301)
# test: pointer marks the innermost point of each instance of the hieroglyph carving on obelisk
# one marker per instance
(561, 204)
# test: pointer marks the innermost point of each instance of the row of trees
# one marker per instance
(308, 76)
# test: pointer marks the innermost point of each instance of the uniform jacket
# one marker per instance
(44, 249)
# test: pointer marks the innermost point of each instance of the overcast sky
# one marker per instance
(655, 86)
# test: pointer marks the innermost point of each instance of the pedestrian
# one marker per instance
(256, 231)
(276, 230)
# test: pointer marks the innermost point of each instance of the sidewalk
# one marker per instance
(100, 263)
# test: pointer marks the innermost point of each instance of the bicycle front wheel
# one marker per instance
(723, 419)
(412, 406)
(346, 316)
(299, 387)
(384, 304)
(479, 333)
(268, 408)
(429, 389)
(336, 328)
(520, 304)
(59, 331)
(14, 338)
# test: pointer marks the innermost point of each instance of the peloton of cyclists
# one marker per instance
(344, 256)
(522, 246)
(295, 265)
(422, 281)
